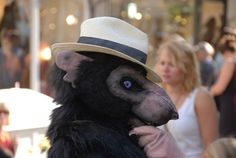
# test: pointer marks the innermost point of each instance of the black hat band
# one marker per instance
(132, 52)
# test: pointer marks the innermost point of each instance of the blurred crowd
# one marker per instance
(201, 81)
(14, 48)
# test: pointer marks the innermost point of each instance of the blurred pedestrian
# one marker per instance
(8, 143)
(225, 87)
(197, 125)
(11, 59)
(218, 56)
(204, 52)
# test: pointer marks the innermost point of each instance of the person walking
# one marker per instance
(225, 87)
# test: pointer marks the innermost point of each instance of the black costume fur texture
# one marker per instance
(91, 122)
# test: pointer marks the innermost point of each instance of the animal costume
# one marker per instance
(104, 89)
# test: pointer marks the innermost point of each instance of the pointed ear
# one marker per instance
(69, 61)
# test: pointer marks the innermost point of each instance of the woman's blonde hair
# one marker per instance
(222, 148)
(185, 59)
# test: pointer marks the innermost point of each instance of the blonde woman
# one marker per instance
(197, 125)
(222, 148)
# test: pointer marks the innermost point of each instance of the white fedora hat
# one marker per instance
(112, 36)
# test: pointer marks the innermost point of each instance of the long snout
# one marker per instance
(156, 107)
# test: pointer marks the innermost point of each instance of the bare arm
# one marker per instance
(207, 117)
(224, 78)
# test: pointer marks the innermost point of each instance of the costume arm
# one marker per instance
(157, 143)
(90, 140)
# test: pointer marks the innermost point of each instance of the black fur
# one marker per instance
(91, 123)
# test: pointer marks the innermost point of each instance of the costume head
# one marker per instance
(112, 36)
(104, 85)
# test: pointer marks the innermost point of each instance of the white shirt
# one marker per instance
(186, 130)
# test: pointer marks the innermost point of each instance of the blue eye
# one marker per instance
(127, 84)
(130, 84)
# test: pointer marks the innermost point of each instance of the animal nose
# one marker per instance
(174, 115)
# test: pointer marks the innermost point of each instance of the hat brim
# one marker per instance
(59, 47)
